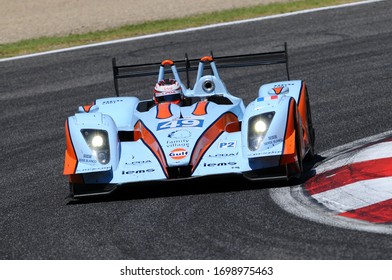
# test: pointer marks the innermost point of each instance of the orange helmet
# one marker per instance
(168, 90)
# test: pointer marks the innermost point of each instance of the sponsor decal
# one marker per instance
(112, 101)
(93, 169)
(167, 90)
(177, 143)
(260, 99)
(229, 144)
(273, 140)
(88, 159)
(138, 162)
(84, 160)
(277, 90)
(223, 155)
(180, 123)
(231, 163)
(179, 134)
(283, 85)
(140, 171)
(265, 153)
(178, 153)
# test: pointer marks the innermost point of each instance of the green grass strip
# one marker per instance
(51, 43)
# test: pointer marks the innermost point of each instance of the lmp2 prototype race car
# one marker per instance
(123, 140)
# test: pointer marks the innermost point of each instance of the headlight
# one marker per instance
(257, 128)
(260, 126)
(98, 142)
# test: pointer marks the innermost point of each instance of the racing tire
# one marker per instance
(72, 190)
(298, 149)
(295, 169)
(311, 132)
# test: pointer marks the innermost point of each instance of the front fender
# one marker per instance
(79, 157)
(275, 137)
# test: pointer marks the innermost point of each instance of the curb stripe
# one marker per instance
(372, 209)
(357, 195)
(361, 188)
(349, 174)
(371, 151)
(377, 213)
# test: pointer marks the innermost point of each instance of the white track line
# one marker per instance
(191, 29)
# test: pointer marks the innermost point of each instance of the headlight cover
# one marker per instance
(98, 142)
(257, 128)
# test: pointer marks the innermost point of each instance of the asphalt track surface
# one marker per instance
(343, 54)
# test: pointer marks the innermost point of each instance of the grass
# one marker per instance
(51, 43)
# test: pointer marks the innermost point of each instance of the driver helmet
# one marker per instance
(168, 90)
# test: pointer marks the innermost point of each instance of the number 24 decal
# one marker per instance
(180, 123)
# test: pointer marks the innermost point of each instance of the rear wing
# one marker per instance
(187, 65)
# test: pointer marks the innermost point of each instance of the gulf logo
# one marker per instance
(357, 184)
(178, 153)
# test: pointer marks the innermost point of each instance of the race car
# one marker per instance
(122, 140)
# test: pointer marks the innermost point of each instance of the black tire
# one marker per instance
(296, 169)
(72, 189)
(311, 132)
(298, 148)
